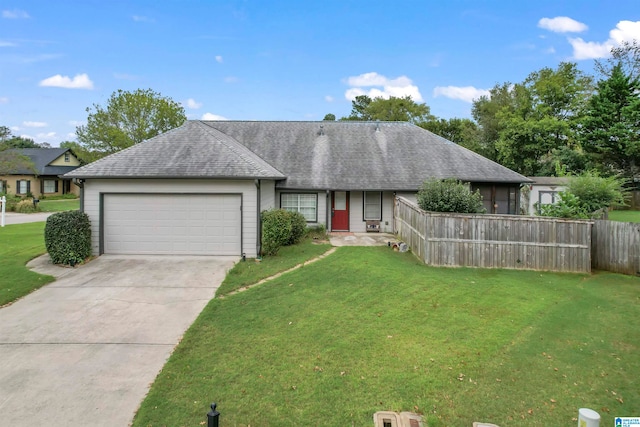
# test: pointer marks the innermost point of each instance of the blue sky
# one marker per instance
(284, 60)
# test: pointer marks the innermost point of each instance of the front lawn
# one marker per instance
(19, 244)
(625, 216)
(59, 205)
(252, 271)
(369, 329)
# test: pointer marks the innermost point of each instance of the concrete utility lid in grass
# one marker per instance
(477, 424)
(393, 419)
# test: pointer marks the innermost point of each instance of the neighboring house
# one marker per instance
(543, 190)
(200, 188)
(44, 178)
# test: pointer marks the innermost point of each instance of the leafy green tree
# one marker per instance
(10, 160)
(449, 195)
(464, 132)
(611, 126)
(526, 121)
(392, 109)
(329, 117)
(626, 55)
(128, 118)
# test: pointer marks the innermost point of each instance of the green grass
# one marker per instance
(250, 272)
(368, 329)
(625, 216)
(59, 205)
(19, 244)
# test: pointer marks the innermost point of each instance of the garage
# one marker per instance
(172, 224)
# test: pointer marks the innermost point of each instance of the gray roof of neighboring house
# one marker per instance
(41, 157)
(361, 155)
(550, 180)
(310, 155)
(193, 150)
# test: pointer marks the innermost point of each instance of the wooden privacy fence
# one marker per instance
(494, 241)
(616, 247)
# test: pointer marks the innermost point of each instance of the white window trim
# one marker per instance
(298, 205)
(378, 216)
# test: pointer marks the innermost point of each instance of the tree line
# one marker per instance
(554, 122)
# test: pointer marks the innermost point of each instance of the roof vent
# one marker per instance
(377, 125)
(321, 130)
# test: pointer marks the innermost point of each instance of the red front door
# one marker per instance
(340, 211)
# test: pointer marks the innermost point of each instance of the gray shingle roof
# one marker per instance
(310, 155)
(193, 150)
(41, 157)
(361, 155)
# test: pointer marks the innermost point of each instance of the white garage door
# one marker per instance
(177, 224)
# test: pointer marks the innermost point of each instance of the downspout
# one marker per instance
(259, 220)
(326, 213)
(80, 183)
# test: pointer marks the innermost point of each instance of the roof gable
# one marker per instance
(44, 161)
(190, 151)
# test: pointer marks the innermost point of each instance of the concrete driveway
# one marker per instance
(84, 349)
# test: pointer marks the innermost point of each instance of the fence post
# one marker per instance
(213, 417)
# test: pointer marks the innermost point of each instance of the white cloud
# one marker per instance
(71, 135)
(76, 123)
(328, 98)
(80, 81)
(381, 87)
(46, 135)
(4, 100)
(15, 14)
(34, 124)
(219, 59)
(7, 44)
(211, 116)
(231, 79)
(624, 31)
(193, 104)
(14, 128)
(465, 93)
(562, 24)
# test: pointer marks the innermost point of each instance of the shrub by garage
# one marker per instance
(281, 228)
(67, 236)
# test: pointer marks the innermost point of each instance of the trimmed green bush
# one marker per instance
(276, 230)
(67, 236)
(449, 195)
(298, 227)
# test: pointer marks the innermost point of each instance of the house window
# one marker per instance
(547, 197)
(3, 186)
(67, 157)
(23, 186)
(372, 205)
(306, 204)
(50, 186)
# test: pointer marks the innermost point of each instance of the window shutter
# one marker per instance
(56, 190)
(41, 186)
(28, 186)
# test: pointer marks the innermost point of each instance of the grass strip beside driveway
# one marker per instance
(250, 272)
(19, 244)
(368, 329)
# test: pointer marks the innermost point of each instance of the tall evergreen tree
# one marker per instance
(610, 130)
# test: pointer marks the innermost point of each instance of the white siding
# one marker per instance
(94, 187)
(356, 206)
(536, 196)
(267, 195)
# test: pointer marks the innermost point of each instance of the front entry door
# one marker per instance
(340, 211)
